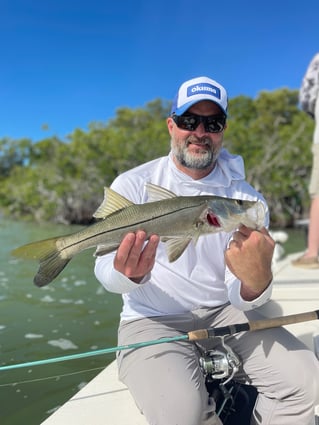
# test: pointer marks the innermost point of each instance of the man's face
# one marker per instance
(197, 149)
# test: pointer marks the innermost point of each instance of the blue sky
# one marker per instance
(67, 63)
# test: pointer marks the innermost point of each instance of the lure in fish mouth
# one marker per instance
(176, 219)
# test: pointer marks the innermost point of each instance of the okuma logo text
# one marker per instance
(203, 89)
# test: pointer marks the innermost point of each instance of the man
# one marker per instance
(308, 96)
(218, 282)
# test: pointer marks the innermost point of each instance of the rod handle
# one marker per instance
(199, 334)
(256, 325)
(284, 320)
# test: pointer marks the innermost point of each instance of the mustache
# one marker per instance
(205, 141)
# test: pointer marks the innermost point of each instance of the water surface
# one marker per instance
(73, 314)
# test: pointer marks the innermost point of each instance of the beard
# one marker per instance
(204, 157)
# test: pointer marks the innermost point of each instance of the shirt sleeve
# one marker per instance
(233, 286)
(113, 280)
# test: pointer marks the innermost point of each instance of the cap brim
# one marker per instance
(184, 108)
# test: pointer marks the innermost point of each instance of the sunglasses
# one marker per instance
(189, 122)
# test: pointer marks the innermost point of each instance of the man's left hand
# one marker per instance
(249, 258)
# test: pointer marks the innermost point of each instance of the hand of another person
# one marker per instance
(249, 258)
(134, 258)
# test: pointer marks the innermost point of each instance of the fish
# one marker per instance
(178, 220)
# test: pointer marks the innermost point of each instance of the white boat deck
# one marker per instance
(106, 401)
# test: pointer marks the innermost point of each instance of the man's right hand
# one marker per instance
(134, 258)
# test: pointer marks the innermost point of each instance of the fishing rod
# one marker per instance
(196, 335)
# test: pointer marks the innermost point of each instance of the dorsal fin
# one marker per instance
(112, 202)
(158, 193)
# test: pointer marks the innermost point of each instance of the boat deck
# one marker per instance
(105, 400)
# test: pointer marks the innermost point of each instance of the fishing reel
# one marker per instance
(219, 364)
(234, 401)
(219, 367)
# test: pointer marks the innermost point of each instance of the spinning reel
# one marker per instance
(233, 400)
(217, 364)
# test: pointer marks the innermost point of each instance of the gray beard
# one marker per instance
(198, 162)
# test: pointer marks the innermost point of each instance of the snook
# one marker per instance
(176, 219)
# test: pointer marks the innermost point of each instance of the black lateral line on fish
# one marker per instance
(129, 225)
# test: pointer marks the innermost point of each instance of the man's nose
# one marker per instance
(200, 129)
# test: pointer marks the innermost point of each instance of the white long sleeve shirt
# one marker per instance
(200, 277)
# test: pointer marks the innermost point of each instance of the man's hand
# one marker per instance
(132, 258)
(249, 258)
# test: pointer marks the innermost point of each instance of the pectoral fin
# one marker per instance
(175, 247)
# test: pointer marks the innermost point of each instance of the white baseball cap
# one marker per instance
(197, 89)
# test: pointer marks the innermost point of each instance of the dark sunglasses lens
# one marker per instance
(187, 122)
(215, 124)
(212, 124)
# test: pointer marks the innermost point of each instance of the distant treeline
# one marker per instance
(62, 182)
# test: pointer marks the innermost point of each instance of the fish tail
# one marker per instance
(49, 256)
(49, 269)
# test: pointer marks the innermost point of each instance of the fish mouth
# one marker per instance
(212, 219)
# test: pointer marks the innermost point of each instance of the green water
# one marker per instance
(73, 314)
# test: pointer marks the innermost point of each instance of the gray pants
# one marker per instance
(169, 387)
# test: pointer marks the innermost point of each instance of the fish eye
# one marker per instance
(239, 202)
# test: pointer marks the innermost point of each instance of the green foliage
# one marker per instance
(274, 137)
(63, 182)
(13, 153)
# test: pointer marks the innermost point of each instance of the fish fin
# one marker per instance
(112, 202)
(36, 250)
(51, 262)
(175, 247)
(49, 269)
(158, 193)
(104, 249)
(101, 250)
(196, 237)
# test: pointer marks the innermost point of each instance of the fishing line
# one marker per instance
(92, 353)
(190, 336)
(13, 384)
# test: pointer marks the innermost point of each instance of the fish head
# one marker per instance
(226, 214)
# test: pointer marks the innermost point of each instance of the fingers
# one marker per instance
(134, 258)
(244, 232)
(130, 247)
(240, 236)
(249, 258)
